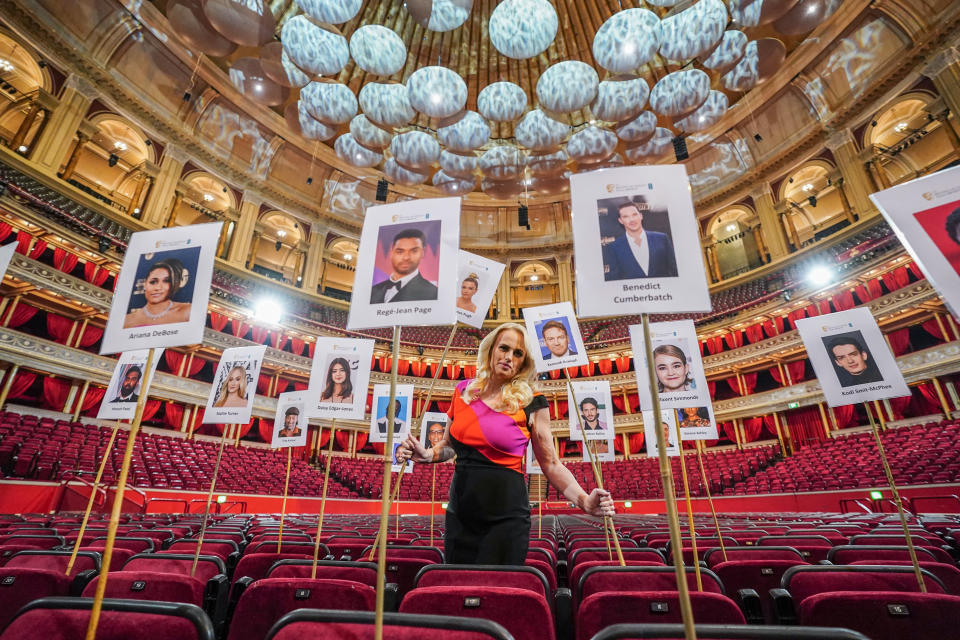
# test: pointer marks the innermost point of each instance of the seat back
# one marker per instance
(67, 619)
(256, 565)
(179, 563)
(211, 547)
(147, 585)
(759, 575)
(805, 581)
(266, 601)
(948, 574)
(875, 554)
(590, 554)
(600, 610)
(715, 555)
(292, 546)
(718, 631)
(55, 560)
(885, 615)
(362, 572)
(327, 624)
(615, 578)
(137, 544)
(466, 575)
(425, 552)
(524, 613)
(20, 585)
(403, 572)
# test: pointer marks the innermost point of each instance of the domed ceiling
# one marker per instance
(478, 94)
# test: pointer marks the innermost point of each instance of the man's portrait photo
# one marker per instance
(942, 225)
(590, 415)
(290, 427)
(407, 262)
(554, 335)
(851, 360)
(129, 383)
(639, 249)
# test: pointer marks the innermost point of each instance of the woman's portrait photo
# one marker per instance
(233, 388)
(468, 288)
(338, 387)
(163, 288)
(673, 369)
(693, 417)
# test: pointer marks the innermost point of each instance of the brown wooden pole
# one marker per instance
(385, 503)
(323, 499)
(206, 511)
(283, 505)
(93, 495)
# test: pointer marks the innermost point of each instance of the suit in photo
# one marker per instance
(622, 265)
(419, 288)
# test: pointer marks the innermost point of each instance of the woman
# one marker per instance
(494, 417)
(467, 289)
(690, 417)
(338, 389)
(163, 280)
(673, 372)
(233, 389)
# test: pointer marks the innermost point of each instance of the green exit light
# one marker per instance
(627, 504)
(793, 405)
(221, 499)
(443, 505)
(875, 495)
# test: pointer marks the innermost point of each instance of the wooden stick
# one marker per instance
(433, 500)
(899, 503)
(670, 498)
(693, 530)
(93, 495)
(394, 494)
(716, 523)
(206, 511)
(607, 520)
(396, 499)
(385, 506)
(118, 503)
(540, 518)
(283, 505)
(323, 499)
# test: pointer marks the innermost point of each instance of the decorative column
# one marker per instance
(943, 69)
(25, 125)
(565, 278)
(710, 258)
(943, 400)
(53, 142)
(761, 247)
(856, 181)
(243, 234)
(157, 205)
(313, 271)
(503, 295)
(82, 138)
(134, 207)
(771, 230)
(178, 195)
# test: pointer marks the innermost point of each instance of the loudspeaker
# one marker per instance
(523, 216)
(680, 148)
(812, 200)
(113, 160)
(382, 189)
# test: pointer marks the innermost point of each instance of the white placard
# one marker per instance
(603, 450)
(290, 424)
(669, 426)
(851, 358)
(379, 412)
(433, 427)
(697, 423)
(396, 466)
(162, 291)
(555, 334)
(533, 465)
(595, 407)
(126, 385)
(681, 381)
(478, 279)
(407, 265)
(925, 214)
(339, 377)
(6, 255)
(637, 242)
(234, 386)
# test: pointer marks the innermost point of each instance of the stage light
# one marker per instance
(820, 275)
(221, 499)
(22, 148)
(267, 311)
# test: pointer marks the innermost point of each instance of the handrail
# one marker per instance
(214, 505)
(75, 476)
(242, 503)
(150, 501)
(856, 501)
(949, 497)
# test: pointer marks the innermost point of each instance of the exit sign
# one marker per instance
(793, 405)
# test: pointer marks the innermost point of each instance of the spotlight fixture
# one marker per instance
(786, 296)
(680, 148)
(113, 160)
(267, 311)
(523, 216)
(820, 275)
(382, 189)
(42, 64)
(277, 245)
(186, 96)
(758, 137)
(103, 243)
(310, 180)
(812, 200)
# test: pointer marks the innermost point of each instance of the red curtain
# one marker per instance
(618, 445)
(734, 339)
(618, 403)
(23, 242)
(453, 371)
(324, 438)
(728, 431)
(636, 442)
(218, 321)
(752, 428)
(933, 328)
(712, 387)
(59, 327)
(343, 440)
(173, 415)
(263, 384)
(573, 372)
(378, 447)
(605, 366)
(805, 425)
(5, 231)
(623, 364)
(470, 371)
(775, 374)
(95, 274)
(899, 406)
(403, 367)
(92, 399)
(259, 335)
(555, 374)
(38, 248)
(846, 416)
(64, 260)
(311, 347)
(265, 429)
(843, 300)
(754, 333)
(90, 336)
(563, 409)
(634, 400)
(823, 306)
(899, 341)
(734, 385)
(21, 383)
(297, 345)
(770, 423)
(21, 315)
(796, 314)
(915, 270)
(587, 370)
(175, 360)
(239, 328)
(929, 394)
(278, 340)
(796, 370)
(150, 408)
(770, 326)
(55, 392)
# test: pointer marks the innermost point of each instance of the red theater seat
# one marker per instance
(18, 586)
(886, 615)
(715, 555)
(55, 561)
(502, 605)
(313, 624)
(144, 585)
(616, 607)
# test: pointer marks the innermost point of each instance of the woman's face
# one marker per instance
(691, 412)
(233, 381)
(338, 373)
(157, 287)
(467, 289)
(508, 354)
(671, 371)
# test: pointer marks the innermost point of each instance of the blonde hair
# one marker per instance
(242, 391)
(515, 394)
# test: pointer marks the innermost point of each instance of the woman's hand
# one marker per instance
(412, 449)
(598, 503)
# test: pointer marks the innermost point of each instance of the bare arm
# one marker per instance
(596, 503)
(411, 449)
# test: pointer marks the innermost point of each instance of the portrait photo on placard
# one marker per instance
(668, 426)
(395, 464)
(637, 242)
(234, 386)
(290, 423)
(161, 294)
(6, 255)
(590, 410)
(380, 418)
(339, 377)
(407, 265)
(677, 365)
(850, 357)
(697, 423)
(126, 385)
(603, 450)
(557, 338)
(433, 427)
(478, 279)
(925, 215)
